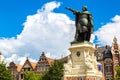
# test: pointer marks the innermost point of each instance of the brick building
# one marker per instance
(109, 57)
(15, 69)
(42, 65)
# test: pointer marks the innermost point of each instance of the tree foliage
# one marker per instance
(118, 73)
(5, 74)
(30, 75)
(55, 72)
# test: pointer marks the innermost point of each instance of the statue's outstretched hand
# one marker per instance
(67, 8)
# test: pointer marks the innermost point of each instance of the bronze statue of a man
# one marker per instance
(83, 23)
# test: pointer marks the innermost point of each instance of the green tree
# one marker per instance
(4, 72)
(30, 75)
(118, 73)
(55, 72)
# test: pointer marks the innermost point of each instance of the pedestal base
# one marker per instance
(82, 64)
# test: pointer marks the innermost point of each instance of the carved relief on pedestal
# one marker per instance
(79, 60)
(67, 69)
(82, 61)
(89, 63)
(68, 66)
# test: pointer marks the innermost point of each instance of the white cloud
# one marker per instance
(116, 19)
(48, 31)
(106, 33)
(18, 59)
(44, 31)
(48, 7)
(52, 33)
(2, 58)
(9, 46)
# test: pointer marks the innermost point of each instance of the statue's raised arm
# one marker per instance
(72, 10)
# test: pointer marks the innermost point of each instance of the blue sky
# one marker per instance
(29, 27)
(13, 13)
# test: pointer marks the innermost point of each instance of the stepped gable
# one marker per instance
(44, 63)
(115, 44)
(14, 66)
(44, 60)
(14, 69)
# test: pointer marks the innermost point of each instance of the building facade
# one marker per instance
(14, 69)
(109, 57)
(18, 71)
(44, 63)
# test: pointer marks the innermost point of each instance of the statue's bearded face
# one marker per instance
(84, 8)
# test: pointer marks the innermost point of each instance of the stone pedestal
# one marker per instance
(82, 64)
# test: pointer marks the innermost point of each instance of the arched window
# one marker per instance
(116, 58)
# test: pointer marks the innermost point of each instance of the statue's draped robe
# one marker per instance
(84, 26)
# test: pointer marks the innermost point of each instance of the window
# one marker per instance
(44, 68)
(108, 67)
(99, 56)
(40, 68)
(42, 59)
(25, 69)
(28, 69)
(116, 56)
(22, 76)
(109, 77)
